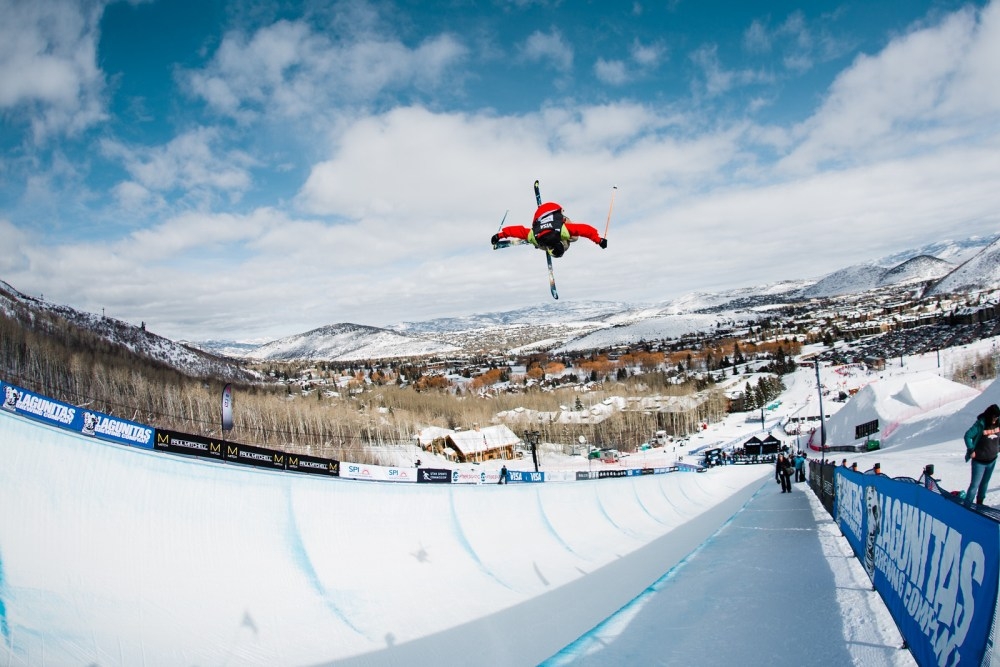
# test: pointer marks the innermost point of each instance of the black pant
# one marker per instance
(786, 482)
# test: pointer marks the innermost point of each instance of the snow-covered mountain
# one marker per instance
(191, 361)
(981, 272)
(348, 342)
(566, 326)
(922, 268)
(562, 313)
(863, 277)
(849, 280)
(954, 252)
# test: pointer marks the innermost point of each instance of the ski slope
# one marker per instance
(112, 555)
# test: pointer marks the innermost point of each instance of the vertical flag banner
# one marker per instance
(227, 408)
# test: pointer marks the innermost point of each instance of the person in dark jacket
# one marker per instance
(982, 442)
(783, 472)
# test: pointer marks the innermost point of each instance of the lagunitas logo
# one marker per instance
(95, 423)
(46, 409)
(934, 569)
(10, 397)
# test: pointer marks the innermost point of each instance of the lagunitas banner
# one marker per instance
(48, 410)
(118, 430)
(934, 563)
(64, 415)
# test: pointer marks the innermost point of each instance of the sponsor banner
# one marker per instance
(234, 452)
(585, 474)
(434, 475)
(523, 477)
(607, 474)
(934, 563)
(118, 430)
(312, 464)
(560, 476)
(184, 443)
(377, 473)
(491, 476)
(471, 475)
(36, 406)
(64, 415)
(636, 472)
(227, 407)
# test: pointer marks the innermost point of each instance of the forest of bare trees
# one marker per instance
(362, 421)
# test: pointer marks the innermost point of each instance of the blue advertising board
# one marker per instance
(934, 563)
(89, 422)
(524, 477)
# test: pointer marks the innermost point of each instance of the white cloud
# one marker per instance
(757, 38)
(13, 239)
(644, 57)
(897, 102)
(716, 79)
(48, 65)
(800, 44)
(393, 221)
(290, 70)
(611, 72)
(189, 162)
(548, 48)
(135, 198)
(648, 56)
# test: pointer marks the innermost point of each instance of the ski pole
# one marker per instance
(608, 223)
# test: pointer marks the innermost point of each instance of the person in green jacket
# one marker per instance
(982, 443)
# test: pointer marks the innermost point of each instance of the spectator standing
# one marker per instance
(783, 473)
(503, 475)
(800, 467)
(982, 442)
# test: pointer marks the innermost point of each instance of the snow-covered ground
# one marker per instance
(117, 556)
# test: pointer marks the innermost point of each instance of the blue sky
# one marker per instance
(253, 170)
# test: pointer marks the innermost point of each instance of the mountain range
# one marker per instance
(189, 359)
(580, 326)
(947, 267)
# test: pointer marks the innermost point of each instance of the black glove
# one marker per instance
(603, 243)
(968, 455)
(495, 240)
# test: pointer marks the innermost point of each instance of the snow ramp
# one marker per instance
(892, 402)
(114, 555)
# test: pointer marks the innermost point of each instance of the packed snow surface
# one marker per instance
(117, 556)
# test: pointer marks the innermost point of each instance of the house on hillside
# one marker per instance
(482, 444)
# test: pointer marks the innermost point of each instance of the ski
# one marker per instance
(504, 243)
(548, 257)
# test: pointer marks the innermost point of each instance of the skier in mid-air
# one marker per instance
(550, 231)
